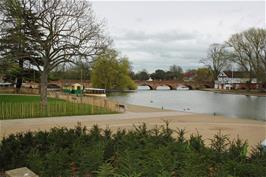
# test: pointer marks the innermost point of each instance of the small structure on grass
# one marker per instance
(73, 89)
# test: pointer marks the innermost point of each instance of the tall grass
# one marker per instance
(17, 107)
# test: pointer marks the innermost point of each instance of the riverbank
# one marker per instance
(138, 108)
(238, 92)
(206, 125)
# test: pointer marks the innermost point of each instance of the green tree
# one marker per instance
(159, 74)
(248, 50)
(80, 71)
(142, 75)
(111, 73)
(203, 75)
(17, 23)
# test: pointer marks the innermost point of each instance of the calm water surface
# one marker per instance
(250, 107)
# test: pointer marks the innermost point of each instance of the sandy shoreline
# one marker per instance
(206, 125)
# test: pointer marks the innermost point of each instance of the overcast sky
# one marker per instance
(159, 34)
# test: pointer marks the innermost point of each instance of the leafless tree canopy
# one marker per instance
(69, 31)
(249, 51)
(246, 49)
(216, 59)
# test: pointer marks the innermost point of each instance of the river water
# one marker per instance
(249, 107)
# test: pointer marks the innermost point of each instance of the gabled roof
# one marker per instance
(236, 74)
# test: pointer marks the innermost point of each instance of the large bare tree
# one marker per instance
(67, 32)
(248, 50)
(216, 59)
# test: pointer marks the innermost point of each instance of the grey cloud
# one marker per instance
(170, 35)
(162, 49)
(159, 34)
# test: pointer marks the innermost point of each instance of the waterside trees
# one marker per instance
(111, 72)
(216, 59)
(245, 50)
(248, 51)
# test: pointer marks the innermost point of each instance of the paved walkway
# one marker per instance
(16, 125)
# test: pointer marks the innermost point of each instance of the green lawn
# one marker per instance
(24, 99)
(22, 106)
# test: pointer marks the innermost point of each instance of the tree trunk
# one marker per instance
(20, 76)
(18, 83)
(43, 90)
(249, 82)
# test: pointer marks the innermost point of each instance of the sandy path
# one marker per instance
(206, 125)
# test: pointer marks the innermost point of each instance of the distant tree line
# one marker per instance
(80, 71)
(174, 73)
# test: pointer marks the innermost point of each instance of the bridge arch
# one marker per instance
(172, 87)
(189, 87)
(150, 86)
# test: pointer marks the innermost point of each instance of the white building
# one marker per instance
(234, 80)
(150, 79)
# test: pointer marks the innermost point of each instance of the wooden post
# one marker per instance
(92, 105)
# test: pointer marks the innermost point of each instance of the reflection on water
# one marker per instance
(251, 107)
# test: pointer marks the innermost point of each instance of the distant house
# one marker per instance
(150, 79)
(189, 76)
(235, 80)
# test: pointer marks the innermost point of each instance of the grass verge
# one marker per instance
(21, 106)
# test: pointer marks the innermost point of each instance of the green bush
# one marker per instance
(134, 153)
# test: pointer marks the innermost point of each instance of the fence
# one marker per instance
(95, 101)
(20, 110)
(22, 90)
(75, 105)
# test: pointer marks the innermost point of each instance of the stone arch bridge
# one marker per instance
(173, 84)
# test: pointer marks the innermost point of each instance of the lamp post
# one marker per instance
(232, 77)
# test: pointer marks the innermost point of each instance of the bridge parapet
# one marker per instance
(174, 84)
